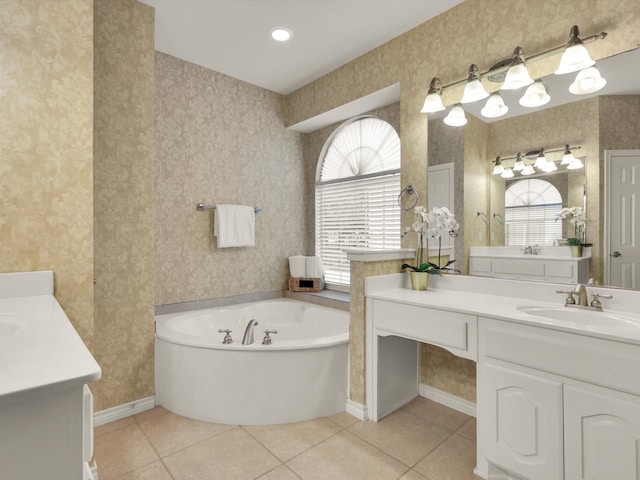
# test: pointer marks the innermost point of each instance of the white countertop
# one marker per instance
(506, 308)
(40, 351)
(544, 253)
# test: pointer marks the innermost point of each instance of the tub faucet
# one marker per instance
(248, 333)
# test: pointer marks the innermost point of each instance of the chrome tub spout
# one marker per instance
(248, 333)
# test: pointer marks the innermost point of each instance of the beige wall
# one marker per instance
(123, 200)
(221, 140)
(46, 141)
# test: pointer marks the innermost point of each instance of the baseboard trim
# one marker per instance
(121, 411)
(356, 409)
(447, 399)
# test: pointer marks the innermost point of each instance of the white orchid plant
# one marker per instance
(437, 223)
(578, 219)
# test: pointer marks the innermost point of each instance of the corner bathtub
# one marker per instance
(301, 375)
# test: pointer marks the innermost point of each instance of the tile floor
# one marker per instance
(422, 440)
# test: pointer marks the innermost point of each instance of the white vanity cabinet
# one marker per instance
(554, 405)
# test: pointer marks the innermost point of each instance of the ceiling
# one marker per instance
(232, 36)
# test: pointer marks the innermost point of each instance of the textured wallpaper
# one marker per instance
(220, 140)
(123, 192)
(46, 119)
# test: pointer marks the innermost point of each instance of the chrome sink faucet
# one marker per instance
(530, 250)
(248, 332)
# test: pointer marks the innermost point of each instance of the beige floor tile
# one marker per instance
(280, 473)
(455, 459)
(122, 451)
(232, 455)
(437, 413)
(344, 419)
(412, 475)
(468, 429)
(155, 471)
(346, 457)
(170, 433)
(288, 440)
(402, 435)
(111, 426)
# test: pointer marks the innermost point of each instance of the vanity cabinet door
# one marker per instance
(521, 426)
(602, 435)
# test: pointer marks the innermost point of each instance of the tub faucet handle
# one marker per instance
(267, 339)
(227, 338)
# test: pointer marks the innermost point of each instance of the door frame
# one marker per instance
(608, 155)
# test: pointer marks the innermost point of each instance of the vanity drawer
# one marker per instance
(456, 332)
(602, 362)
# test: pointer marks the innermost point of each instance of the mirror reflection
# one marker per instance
(521, 212)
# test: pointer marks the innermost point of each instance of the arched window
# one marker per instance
(357, 186)
(531, 209)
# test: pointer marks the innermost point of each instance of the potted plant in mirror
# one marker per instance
(579, 221)
(434, 224)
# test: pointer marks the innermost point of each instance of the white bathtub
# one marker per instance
(301, 375)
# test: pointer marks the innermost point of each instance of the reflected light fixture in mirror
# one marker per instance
(519, 165)
(535, 96)
(456, 117)
(494, 107)
(433, 102)
(528, 170)
(588, 80)
(541, 160)
(473, 90)
(575, 165)
(567, 156)
(508, 173)
(517, 75)
(498, 169)
(576, 56)
(523, 164)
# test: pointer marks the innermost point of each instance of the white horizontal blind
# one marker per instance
(362, 212)
(532, 225)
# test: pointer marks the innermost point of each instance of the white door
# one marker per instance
(602, 435)
(440, 192)
(521, 422)
(622, 225)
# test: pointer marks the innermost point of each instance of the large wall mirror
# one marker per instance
(606, 120)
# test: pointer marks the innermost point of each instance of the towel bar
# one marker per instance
(202, 207)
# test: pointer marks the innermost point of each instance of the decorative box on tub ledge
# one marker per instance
(297, 284)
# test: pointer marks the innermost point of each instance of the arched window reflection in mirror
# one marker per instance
(531, 209)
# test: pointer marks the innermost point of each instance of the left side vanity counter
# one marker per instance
(46, 411)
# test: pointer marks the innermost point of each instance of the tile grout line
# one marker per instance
(160, 457)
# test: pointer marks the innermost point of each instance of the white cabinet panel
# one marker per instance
(602, 435)
(521, 417)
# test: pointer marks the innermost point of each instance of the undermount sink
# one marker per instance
(581, 315)
(7, 327)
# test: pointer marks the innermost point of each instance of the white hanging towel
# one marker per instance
(234, 226)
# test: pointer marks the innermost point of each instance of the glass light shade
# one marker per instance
(528, 170)
(567, 157)
(498, 169)
(517, 77)
(433, 103)
(575, 57)
(541, 161)
(550, 167)
(473, 91)
(494, 107)
(508, 173)
(588, 80)
(519, 165)
(575, 165)
(535, 96)
(456, 117)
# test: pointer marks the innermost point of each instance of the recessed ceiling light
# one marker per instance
(281, 34)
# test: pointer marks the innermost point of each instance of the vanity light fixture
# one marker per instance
(456, 117)
(519, 165)
(541, 160)
(576, 56)
(494, 107)
(588, 80)
(498, 169)
(473, 90)
(517, 75)
(567, 156)
(433, 102)
(535, 96)
(508, 173)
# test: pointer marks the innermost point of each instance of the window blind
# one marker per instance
(532, 225)
(362, 212)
